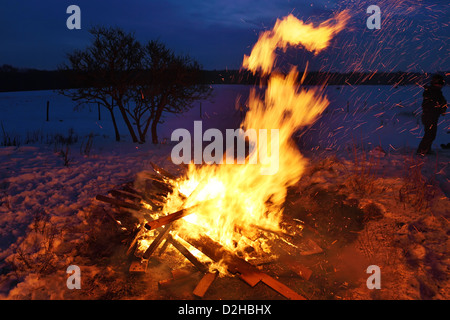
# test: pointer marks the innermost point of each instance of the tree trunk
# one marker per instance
(140, 133)
(127, 122)
(116, 130)
(154, 131)
(147, 125)
(155, 124)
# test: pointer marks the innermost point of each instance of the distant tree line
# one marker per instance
(14, 79)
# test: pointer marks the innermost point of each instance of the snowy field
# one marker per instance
(357, 114)
(35, 185)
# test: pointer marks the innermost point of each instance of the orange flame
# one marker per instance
(292, 32)
(244, 201)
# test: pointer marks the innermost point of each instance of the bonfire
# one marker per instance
(223, 217)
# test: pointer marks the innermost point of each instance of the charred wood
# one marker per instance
(162, 234)
(162, 172)
(119, 203)
(188, 255)
(248, 272)
(169, 218)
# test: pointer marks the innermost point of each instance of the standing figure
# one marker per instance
(433, 105)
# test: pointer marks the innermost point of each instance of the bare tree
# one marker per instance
(170, 85)
(143, 82)
(105, 71)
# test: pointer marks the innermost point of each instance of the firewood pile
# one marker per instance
(146, 201)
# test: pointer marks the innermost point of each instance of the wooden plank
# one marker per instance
(154, 202)
(136, 234)
(162, 234)
(309, 247)
(204, 284)
(169, 218)
(132, 190)
(125, 194)
(249, 273)
(152, 176)
(216, 252)
(185, 252)
(163, 247)
(138, 266)
(251, 278)
(162, 171)
(154, 192)
(158, 186)
(118, 203)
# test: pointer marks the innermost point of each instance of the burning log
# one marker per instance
(182, 249)
(249, 273)
(155, 192)
(167, 221)
(185, 252)
(155, 178)
(155, 202)
(132, 244)
(162, 172)
(119, 203)
(126, 195)
(131, 190)
(116, 222)
(164, 232)
(169, 218)
(158, 186)
(163, 248)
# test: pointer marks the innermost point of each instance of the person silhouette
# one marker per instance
(433, 105)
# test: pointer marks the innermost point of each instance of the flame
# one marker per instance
(242, 201)
(292, 32)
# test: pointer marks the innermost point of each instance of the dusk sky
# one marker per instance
(217, 33)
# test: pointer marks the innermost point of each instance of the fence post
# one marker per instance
(98, 106)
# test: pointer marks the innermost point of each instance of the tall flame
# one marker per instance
(292, 32)
(242, 200)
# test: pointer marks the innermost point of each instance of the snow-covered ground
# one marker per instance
(37, 190)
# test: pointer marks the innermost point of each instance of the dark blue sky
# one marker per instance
(414, 35)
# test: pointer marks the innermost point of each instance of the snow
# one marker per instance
(38, 191)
